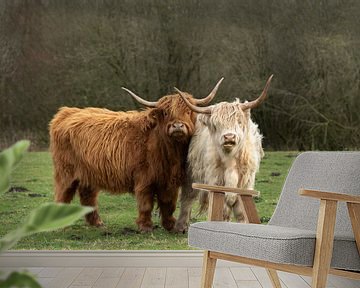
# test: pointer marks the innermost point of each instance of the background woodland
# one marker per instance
(80, 53)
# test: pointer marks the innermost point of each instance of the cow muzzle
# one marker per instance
(229, 141)
(178, 130)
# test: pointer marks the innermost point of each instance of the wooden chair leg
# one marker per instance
(354, 212)
(208, 271)
(274, 278)
(324, 243)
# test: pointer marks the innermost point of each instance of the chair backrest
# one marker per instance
(326, 171)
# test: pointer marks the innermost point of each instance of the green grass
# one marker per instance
(118, 212)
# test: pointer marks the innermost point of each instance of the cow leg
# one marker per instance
(230, 203)
(145, 203)
(64, 181)
(227, 212)
(88, 197)
(238, 212)
(187, 197)
(183, 220)
(65, 193)
(231, 178)
(167, 209)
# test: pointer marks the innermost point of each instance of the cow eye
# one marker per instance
(165, 113)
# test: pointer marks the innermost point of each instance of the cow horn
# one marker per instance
(260, 99)
(203, 110)
(139, 99)
(211, 96)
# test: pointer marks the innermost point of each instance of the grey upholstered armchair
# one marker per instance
(310, 232)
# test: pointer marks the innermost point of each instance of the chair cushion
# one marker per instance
(270, 243)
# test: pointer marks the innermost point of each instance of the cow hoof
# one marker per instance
(145, 226)
(169, 223)
(99, 224)
(180, 228)
(145, 229)
(96, 223)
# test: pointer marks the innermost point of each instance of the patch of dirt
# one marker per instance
(106, 233)
(36, 195)
(75, 237)
(15, 189)
(31, 180)
(275, 173)
(129, 231)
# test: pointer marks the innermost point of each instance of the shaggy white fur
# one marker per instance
(215, 160)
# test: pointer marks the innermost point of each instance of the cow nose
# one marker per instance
(229, 136)
(178, 125)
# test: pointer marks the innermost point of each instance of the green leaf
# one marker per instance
(9, 158)
(11, 239)
(51, 216)
(19, 279)
(47, 217)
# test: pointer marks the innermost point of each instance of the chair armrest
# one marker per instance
(330, 196)
(216, 202)
(223, 189)
(353, 205)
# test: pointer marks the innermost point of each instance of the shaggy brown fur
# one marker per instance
(97, 149)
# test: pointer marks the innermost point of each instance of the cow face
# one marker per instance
(172, 115)
(227, 122)
(174, 118)
(227, 125)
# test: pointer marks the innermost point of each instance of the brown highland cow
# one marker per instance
(141, 152)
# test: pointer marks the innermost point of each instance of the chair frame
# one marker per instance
(324, 235)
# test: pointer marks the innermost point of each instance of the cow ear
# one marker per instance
(247, 113)
(155, 114)
(204, 119)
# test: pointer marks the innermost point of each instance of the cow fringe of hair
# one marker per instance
(204, 161)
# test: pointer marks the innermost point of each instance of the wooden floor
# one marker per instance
(170, 277)
(153, 272)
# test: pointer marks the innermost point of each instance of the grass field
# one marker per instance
(33, 184)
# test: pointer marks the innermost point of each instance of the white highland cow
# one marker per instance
(225, 150)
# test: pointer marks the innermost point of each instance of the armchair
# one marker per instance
(312, 232)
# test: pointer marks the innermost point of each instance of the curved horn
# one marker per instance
(203, 110)
(255, 103)
(139, 99)
(211, 96)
